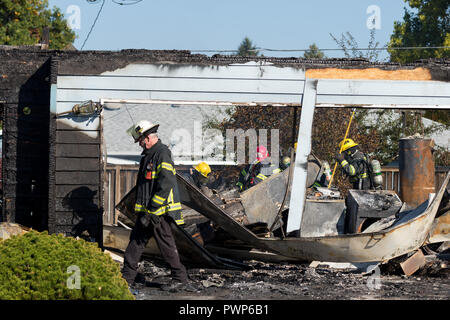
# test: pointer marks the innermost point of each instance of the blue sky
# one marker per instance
(221, 25)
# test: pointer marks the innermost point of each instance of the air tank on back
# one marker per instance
(377, 178)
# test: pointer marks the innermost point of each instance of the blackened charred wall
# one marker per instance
(25, 88)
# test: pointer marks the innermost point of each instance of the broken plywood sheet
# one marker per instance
(413, 263)
(263, 201)
(323, 218)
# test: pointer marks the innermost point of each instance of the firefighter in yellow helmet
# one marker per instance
(199, 174)
(355, 164)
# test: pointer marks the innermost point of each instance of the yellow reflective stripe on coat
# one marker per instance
(181, 221)
(276, 170)
(139, 208)
(363, 175)
(142, 208)
(164, 209)
(261, 176)
(167, 166)
(174, 206)
(352, 170)
(158, 212)
(344, 163)
(157, 199)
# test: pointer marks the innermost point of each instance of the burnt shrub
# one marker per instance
(39, 266)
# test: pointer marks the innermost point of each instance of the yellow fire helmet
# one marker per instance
(347, 144)
(203, 168)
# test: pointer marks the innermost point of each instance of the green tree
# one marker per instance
(22, 23)
(247, 48)
(314, 53)
(427, 25)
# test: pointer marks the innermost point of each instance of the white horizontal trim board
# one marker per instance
(436, 103)
(247, 70)
(64, 95)
(383, 92)
(383, 88)
(181, 84)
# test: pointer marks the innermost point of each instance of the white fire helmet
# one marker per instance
(142, 128)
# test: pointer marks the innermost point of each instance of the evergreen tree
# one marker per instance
(22, 23)
(247, 48)
(314, 53)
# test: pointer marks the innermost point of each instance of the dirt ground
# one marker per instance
(286, 281)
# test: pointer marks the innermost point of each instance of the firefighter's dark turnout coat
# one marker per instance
(254, 173)
(157, 189)
(356, 166)
(157, 194)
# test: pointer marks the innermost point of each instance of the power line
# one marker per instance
(334, 49)
(363, 49)
(125, 3)
(95, 21)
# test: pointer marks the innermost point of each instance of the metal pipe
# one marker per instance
(416, 165)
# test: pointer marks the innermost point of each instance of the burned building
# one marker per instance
(53, 159)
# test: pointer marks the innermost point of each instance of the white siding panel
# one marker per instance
(250, 70)
(181, 84)
(384, 88)
(69, 95)
(78, 123)
(385, 101)
(383, 92)
(65, 95)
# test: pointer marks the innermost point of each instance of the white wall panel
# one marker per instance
(180, 84)
(250, 70)
(65, 95)
(383, 92)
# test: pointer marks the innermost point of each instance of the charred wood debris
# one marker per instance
(364, 211)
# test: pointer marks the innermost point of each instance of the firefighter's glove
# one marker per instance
(148, 219)
(339, 157)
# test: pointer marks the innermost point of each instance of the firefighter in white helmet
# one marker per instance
(157, 206)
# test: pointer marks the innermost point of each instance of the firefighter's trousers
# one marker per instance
(139, 238)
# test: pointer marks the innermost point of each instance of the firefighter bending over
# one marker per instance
(257, 171)
(355, 164)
